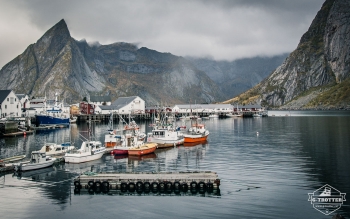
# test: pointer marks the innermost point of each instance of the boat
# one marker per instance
(38, 160)
(53, 115)
(233, 115)
(190, 144)
(257, 115)
(89, 150)
(53, 149)
(12, 159)
(213, 116)
(142, 149)
(130, 136)
(165, 134)
(197, 133)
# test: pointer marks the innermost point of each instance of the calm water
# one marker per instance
(264, 175)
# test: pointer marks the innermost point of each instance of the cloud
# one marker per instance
(222, 29)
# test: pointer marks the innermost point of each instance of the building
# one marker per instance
(10, 106)
(128, 105)
(87, 108)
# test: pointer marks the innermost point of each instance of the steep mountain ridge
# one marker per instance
(318, 65)
(57, 63)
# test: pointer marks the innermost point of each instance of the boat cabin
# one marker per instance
(37, 156)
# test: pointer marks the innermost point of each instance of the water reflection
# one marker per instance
(262, 176)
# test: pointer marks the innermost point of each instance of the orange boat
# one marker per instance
(142, 149)
(197, 133)
(190, 144)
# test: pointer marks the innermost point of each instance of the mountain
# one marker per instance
(240, 75)
(316, 74)
(76, 69)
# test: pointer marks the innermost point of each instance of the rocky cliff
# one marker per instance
(316, 74)
(75, 69)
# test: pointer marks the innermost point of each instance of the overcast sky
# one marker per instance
(220, 29)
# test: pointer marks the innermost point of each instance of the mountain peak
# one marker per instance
(59, 29)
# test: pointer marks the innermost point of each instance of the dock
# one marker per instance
(148, 182)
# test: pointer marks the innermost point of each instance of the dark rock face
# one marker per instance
(318, 66)
(75, 69)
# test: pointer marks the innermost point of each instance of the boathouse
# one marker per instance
(203, 108)
(127, 105)
(9, 104)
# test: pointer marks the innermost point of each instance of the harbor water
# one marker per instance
(267, 167)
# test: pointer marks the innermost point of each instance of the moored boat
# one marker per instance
(38, 160)
(196, 133)
(89, 150)
(144, 148)
(56, 149)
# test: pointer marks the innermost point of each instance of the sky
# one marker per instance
(217, 29)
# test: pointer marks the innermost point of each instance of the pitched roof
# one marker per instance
(100, 99)
(106, 107)
(4, 94)
(122, 101)
(20, 96)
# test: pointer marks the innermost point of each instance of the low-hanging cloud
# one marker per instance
(222, 29)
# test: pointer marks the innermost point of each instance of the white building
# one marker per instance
(127, 105)
(10, 106)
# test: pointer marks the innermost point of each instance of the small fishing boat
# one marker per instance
(130, 136)
(38, 160)
(53, 149)
(213, 116)
(12, 159)
(89, 150)
(196, 133)
(165, 134)
(142, 149)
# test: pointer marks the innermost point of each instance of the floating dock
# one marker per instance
(148, 182)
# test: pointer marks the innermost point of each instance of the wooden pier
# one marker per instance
(148, 182)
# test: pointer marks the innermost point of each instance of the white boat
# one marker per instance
(56, 149)
(89, 150)
(213, 116)
(233, 115)
(165, 137)
(38, 160)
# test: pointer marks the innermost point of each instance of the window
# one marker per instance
(12, 100)
(5, 106)
(7, 99)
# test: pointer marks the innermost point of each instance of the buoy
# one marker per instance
(257, 133)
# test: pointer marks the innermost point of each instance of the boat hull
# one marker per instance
(145, 149)
(193, 138)
(83, 157)
(35, 166)
(120, 151)
(51, 120)
(168, 143)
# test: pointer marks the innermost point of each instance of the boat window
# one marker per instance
(58, 149)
